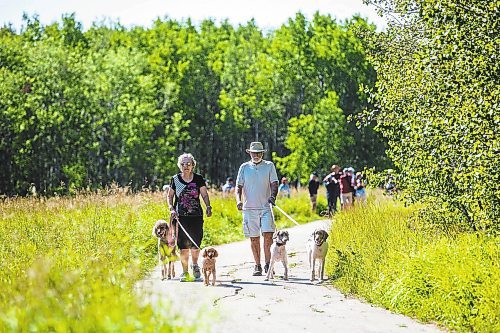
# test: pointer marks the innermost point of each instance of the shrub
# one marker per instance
(379, 253)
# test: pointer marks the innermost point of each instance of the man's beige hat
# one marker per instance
(256, 147)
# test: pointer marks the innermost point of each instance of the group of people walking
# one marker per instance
(341, 185)
(256, 188)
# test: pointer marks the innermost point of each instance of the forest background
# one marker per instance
(85, 109)
(80, 110)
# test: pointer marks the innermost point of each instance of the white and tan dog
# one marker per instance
(166, 248)
(208, 266)
(278, 253)
(317, 248)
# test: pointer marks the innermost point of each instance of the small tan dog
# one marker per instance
(278, 253)
(166, 247)
(208, 267)
(317, 248)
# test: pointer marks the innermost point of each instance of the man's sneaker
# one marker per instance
(257, 270)
(266, 268)
(196, 271)
(185, 277)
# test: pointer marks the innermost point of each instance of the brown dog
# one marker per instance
(317, 248)
(166, 248)
(208, 267)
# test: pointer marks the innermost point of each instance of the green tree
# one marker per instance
(315, 140)
(437, 103)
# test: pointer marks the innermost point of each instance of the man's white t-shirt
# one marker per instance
(256, 180)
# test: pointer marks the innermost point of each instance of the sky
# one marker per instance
(268, 14)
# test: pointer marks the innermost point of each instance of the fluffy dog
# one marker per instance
(166, 248)
(317, 247)
(208, 266)
(278, 253)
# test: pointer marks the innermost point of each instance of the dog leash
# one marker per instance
(187, 234)
(284, 213)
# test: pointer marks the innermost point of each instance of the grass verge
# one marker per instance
(379, 254)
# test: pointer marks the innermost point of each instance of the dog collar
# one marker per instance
(279, 244)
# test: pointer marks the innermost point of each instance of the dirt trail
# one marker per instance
(241, 302)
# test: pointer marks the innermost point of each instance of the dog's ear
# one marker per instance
(275, 235)
(205, 253)
(216, 254)
(155, 230)
(326, 235)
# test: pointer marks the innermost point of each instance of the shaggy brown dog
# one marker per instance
(208, 267)
(166, 248)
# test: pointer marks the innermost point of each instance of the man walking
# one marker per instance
(256, 190)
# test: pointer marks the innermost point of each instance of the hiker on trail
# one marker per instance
(284, 188)
(228, 187)
(184, 204)
(313, 186)
(360, 184)
(256, 190)
(390, 183)
(332, 184)
(346, 189)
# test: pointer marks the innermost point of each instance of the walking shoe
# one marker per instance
(257, 270)
(196, 271)
(185, 277)
(266, 268)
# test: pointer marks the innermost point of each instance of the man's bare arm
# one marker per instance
(239, 194)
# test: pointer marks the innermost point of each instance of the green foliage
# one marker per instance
(71, 265)
(314, 140)
(380, 254)
(85, 109)
(437, 103)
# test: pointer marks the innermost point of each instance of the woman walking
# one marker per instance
(184, 204)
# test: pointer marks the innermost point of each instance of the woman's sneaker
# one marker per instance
(196, 271)
(185, 277)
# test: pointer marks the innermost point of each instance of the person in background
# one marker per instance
(360, 185)
(256, 190)
(184, 203)
(332, 184)
(313, 186)
(284, 188)
(390, 182)
(228, 187)
(346, 189)
(352, 172)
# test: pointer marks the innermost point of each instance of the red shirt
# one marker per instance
(345, 183)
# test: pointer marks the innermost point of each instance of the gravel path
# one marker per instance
(241, 302)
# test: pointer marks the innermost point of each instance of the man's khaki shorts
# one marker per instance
(257, 221)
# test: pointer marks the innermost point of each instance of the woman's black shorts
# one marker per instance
(194, 227)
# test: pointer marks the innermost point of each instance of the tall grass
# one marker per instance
(69, 264)
(382, 255)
